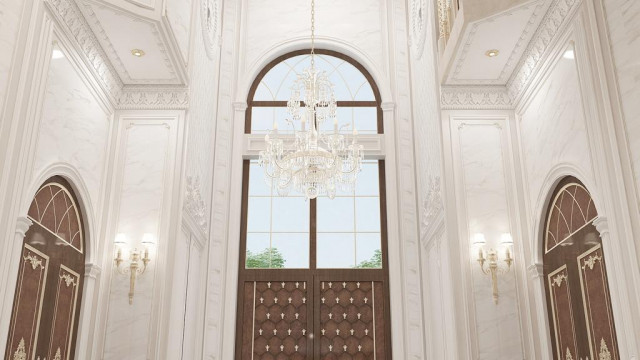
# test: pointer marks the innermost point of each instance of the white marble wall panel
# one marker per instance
(202, 111)
(10, 15)
(180, 273)
(482, 156)
(357, 23)
(553, 129)
(179, 15)
(624, 34)
(74, 128)
(145, 149)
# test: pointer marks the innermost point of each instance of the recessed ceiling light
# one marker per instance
(57, 54)
(492, 53)
(569, 54)
(137, 53)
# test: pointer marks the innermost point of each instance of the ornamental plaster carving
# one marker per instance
(554, 20)
(432, 208)
(153, 98)
(475, 98)
(210, 17)
(22, 226)
(194, 205)
(418, 26)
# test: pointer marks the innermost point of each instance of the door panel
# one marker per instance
(351, 320)
(563, 320)
(32, 279)
(276, 320)
(64, 313)
(597, 309)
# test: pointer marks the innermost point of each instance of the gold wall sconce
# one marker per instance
(137, 260)
(490, 263)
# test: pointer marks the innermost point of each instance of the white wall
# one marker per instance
(553, 130)
(74, 128)
(10, 16)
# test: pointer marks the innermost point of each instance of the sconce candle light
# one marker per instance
(491, 260)
(137, 264)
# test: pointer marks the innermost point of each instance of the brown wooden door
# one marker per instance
(49, 288)
(313, 313)
(578, 301)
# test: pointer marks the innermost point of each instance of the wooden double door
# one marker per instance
(313, 317)
(48, 293)
(578, 300)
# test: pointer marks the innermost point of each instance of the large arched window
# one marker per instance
(578, 301)
(313, 279)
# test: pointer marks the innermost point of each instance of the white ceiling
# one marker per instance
(509, 32)
(119, 31)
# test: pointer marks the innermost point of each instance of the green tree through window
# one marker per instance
(265, 259)
(374, 263)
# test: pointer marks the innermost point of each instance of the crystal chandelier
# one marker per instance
(312, 161)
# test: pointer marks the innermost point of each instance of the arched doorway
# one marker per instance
(314, 276)
(48, 294)
(576, 287)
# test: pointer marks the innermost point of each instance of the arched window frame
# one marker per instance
(374, 149)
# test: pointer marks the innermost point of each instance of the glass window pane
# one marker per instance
(368, 251)
(368, 179)
(257, 185)
(336, 214)
(367, 214)
(366, 120)
(259, 214)
(290, 250)
(290, 214)
(349, 83)
(262, 119)
(336, 250)
(257, 251)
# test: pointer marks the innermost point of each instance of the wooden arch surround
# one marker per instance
(576, 286)
(46, 305)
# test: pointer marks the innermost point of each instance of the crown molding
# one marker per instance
(554, 20)
(150, 98)
(475, 98)
(122, 97)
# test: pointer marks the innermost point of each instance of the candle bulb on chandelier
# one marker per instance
(275, 126)
(335, 125)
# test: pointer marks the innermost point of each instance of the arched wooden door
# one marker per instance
(46, 304)
(578, 301)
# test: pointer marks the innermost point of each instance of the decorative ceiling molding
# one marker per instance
(515, 54)
(143, 98)
(107, 46)
(554, 20)
(475, 98)
(73, 23)
(69, 15)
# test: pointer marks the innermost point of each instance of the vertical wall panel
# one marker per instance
(145, 163)
(480, 149)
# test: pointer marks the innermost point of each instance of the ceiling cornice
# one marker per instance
(506, 97)
(556, 19)
(475, 98)
(75, 27)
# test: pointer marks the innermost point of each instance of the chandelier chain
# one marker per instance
(313, 32)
